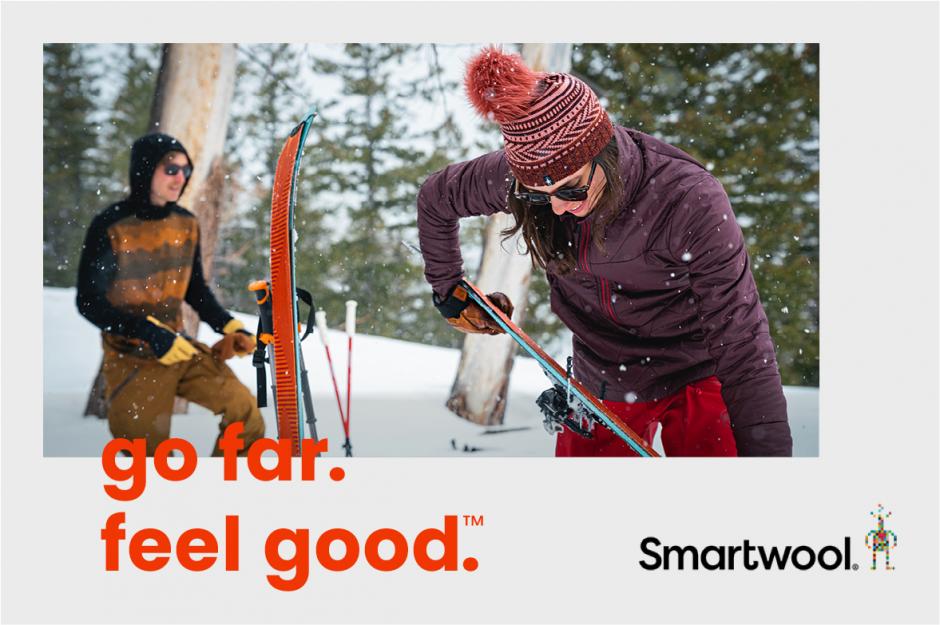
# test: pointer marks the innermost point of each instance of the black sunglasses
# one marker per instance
(568, 194)
(172, 170)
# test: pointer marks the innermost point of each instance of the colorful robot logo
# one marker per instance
(880, 540)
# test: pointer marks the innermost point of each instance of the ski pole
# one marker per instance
(321, 326)
(350, 332)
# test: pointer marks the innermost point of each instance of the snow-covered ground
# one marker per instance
(398, 394)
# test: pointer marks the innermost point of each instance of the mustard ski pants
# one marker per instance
(141, 393)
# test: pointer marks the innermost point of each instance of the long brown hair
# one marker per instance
(544, 234)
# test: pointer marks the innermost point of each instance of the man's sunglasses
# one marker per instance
(568, 194)
(172, 170)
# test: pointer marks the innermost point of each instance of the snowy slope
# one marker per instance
(398, 396)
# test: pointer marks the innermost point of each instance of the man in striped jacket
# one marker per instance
(140, 261)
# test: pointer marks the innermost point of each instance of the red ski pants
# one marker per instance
(694, 421)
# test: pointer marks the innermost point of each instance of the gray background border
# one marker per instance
(878, 403)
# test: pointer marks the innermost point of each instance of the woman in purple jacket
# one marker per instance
(646, 264)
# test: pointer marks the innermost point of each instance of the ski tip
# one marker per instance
(305, 123)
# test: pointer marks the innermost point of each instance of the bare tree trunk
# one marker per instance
(192, 102)
(479, 391)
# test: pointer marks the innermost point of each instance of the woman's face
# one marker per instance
(578, 179)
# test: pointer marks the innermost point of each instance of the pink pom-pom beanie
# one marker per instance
(552, 124)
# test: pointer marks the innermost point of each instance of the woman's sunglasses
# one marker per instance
(172, 170)
(568, 194)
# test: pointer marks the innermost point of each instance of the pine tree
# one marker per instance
(749, 113)
(269, 101)
(69, 139)
(379, 156)
(87, 135)
(128, 115)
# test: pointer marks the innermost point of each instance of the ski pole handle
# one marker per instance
(261, 291)
(351, 317)
(321, 325)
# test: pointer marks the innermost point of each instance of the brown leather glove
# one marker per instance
(466, 316)
(238, 343)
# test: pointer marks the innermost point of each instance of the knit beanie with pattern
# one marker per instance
(552, 123)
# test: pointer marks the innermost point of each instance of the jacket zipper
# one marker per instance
(601, 284)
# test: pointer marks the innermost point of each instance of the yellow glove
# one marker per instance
(180, 350)
(233, 325)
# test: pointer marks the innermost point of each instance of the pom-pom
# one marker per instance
(499, 85)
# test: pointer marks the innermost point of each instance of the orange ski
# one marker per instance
(287, 357)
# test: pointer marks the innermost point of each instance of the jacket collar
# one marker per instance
(630, 163)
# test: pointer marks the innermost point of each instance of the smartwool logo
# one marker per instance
(746, 555)
(881, 540)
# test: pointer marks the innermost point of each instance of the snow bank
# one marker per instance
(398, 395)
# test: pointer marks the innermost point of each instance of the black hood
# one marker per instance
(146, 153)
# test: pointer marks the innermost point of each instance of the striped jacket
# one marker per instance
(140, 260)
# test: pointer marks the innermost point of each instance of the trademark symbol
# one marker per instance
(471, 520)
(854, 567)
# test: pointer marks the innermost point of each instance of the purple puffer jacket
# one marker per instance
(670, 299)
